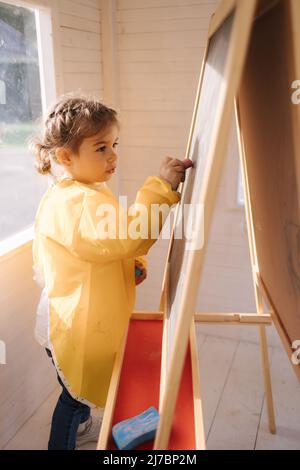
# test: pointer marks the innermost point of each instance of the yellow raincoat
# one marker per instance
(90, 281)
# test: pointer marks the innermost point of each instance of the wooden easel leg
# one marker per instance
(198, 410)
(267, 378)
(256, 278)
(265, 361)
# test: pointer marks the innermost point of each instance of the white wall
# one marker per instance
(80, 40)
(27, 378)
(160, 49)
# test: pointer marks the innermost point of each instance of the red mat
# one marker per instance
(139, 384)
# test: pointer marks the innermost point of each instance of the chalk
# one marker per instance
(132, 432)
(188, 163)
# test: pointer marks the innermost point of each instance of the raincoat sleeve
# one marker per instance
(142, 260)
(92, 243)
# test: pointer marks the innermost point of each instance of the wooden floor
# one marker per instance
(233, 400)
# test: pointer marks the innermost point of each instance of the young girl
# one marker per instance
(89, 279)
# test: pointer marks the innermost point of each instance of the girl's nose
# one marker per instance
(112, 157)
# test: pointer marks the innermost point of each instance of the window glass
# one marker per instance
(21, 187)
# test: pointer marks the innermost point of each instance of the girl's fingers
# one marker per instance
(177, 163)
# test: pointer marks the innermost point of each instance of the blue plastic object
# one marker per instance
(138, 272)
(134, 431)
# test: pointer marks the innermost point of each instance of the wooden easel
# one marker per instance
(272, 153)
(259, 318)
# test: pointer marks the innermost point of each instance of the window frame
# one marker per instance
(45, 28)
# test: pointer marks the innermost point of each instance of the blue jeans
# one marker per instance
(67, 416)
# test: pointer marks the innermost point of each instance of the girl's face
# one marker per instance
(96, 160)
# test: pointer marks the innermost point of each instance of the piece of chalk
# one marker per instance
(132, 432)
(187, 163)
(138, 272)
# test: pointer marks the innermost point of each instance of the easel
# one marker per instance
(258, 319)
(187, 320)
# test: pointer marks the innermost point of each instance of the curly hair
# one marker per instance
(72, 119)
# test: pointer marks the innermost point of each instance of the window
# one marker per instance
(22, 99)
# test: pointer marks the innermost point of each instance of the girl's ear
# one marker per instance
(63, 156)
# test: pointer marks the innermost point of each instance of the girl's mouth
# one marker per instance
(111, 171)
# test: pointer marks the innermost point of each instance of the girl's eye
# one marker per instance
(102, 149)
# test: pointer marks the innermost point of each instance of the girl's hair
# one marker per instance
(70, 121)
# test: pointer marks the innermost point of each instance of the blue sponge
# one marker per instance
(134, 431)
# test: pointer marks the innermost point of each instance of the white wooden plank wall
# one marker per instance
(80, 39)
(28, 376)
(161, 45)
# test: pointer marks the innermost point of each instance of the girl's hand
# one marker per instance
(173, 170)
(142, 277)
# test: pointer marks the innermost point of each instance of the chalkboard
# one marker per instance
(269, 124)
(219, 81)
(205, 121)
